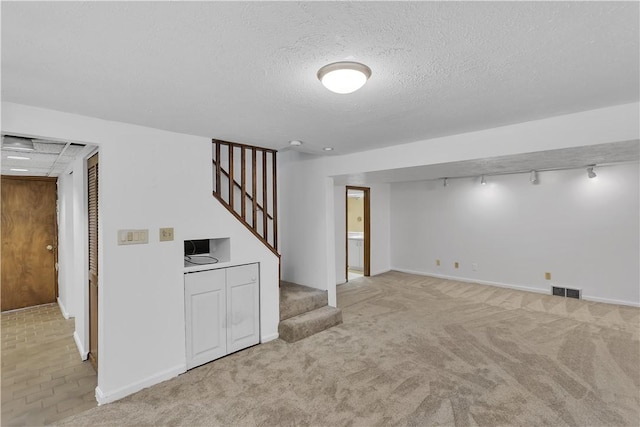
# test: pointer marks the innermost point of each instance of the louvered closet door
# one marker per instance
(92, 174)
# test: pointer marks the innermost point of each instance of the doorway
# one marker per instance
(358, 232)
(29, 241)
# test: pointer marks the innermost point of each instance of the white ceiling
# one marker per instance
(246, 72)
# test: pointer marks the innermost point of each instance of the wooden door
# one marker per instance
(205, 315)
(28, 241)
(92, 203)
(243, 307)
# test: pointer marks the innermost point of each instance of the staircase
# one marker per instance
(304, 312)
(244, 181)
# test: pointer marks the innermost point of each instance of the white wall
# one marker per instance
(380, 229)
(66, 298)
(149, 179)
(583, 231)
(80, 272)
(307, 196)
(303, 220)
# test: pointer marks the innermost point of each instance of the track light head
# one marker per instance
(590, 173)
(444, 182)
(483, 181)
(533, 177)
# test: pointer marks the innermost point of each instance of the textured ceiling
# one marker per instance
(246, 72)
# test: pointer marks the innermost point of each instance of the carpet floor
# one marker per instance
(417, 351)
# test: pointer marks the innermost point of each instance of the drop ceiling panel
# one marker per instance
(44, 161)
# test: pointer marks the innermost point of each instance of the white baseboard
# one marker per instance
(270, 337)
(610, 301)
(108, 397)
(481, 282)
(83, 353)
(63, 310)
(517, 287)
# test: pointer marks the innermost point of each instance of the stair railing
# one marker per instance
(244, 181)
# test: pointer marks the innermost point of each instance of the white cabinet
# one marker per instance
(356, 249)
(222, 309)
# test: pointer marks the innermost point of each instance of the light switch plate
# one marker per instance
(133, 237)
(166, 234)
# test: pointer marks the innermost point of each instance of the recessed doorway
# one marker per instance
(358, 232)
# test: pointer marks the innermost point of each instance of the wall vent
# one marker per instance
(573, 293)
(558, 291)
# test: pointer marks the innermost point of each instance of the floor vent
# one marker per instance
(573, 293)
(555, 290)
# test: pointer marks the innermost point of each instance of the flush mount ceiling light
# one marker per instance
(344, 77)
(295, 143)
(17, 143)
(327, 149)
(590, 173)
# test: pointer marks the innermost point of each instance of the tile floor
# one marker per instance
(355, 274)
(43, 378)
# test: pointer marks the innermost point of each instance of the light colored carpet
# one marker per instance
(417, 351)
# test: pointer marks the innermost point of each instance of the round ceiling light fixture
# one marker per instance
(344, 77)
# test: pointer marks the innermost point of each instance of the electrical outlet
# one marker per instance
(166, 234)
(456, 265)
(438, 262)
(547, 276)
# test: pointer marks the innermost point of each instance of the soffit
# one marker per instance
(566, 158)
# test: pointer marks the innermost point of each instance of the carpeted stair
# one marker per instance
(304, 312)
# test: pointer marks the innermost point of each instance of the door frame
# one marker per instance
(366, 256)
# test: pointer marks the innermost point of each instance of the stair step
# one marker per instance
(309, 323)
(297, 299)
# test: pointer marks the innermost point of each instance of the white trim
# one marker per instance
(83, 353)
(63, 310)
(517, 287)
(610, 301)
(102, 397)
(270, 337)
(480, 282)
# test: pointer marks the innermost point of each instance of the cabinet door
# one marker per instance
(355, 254)
(243, 307)
(205, 305)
